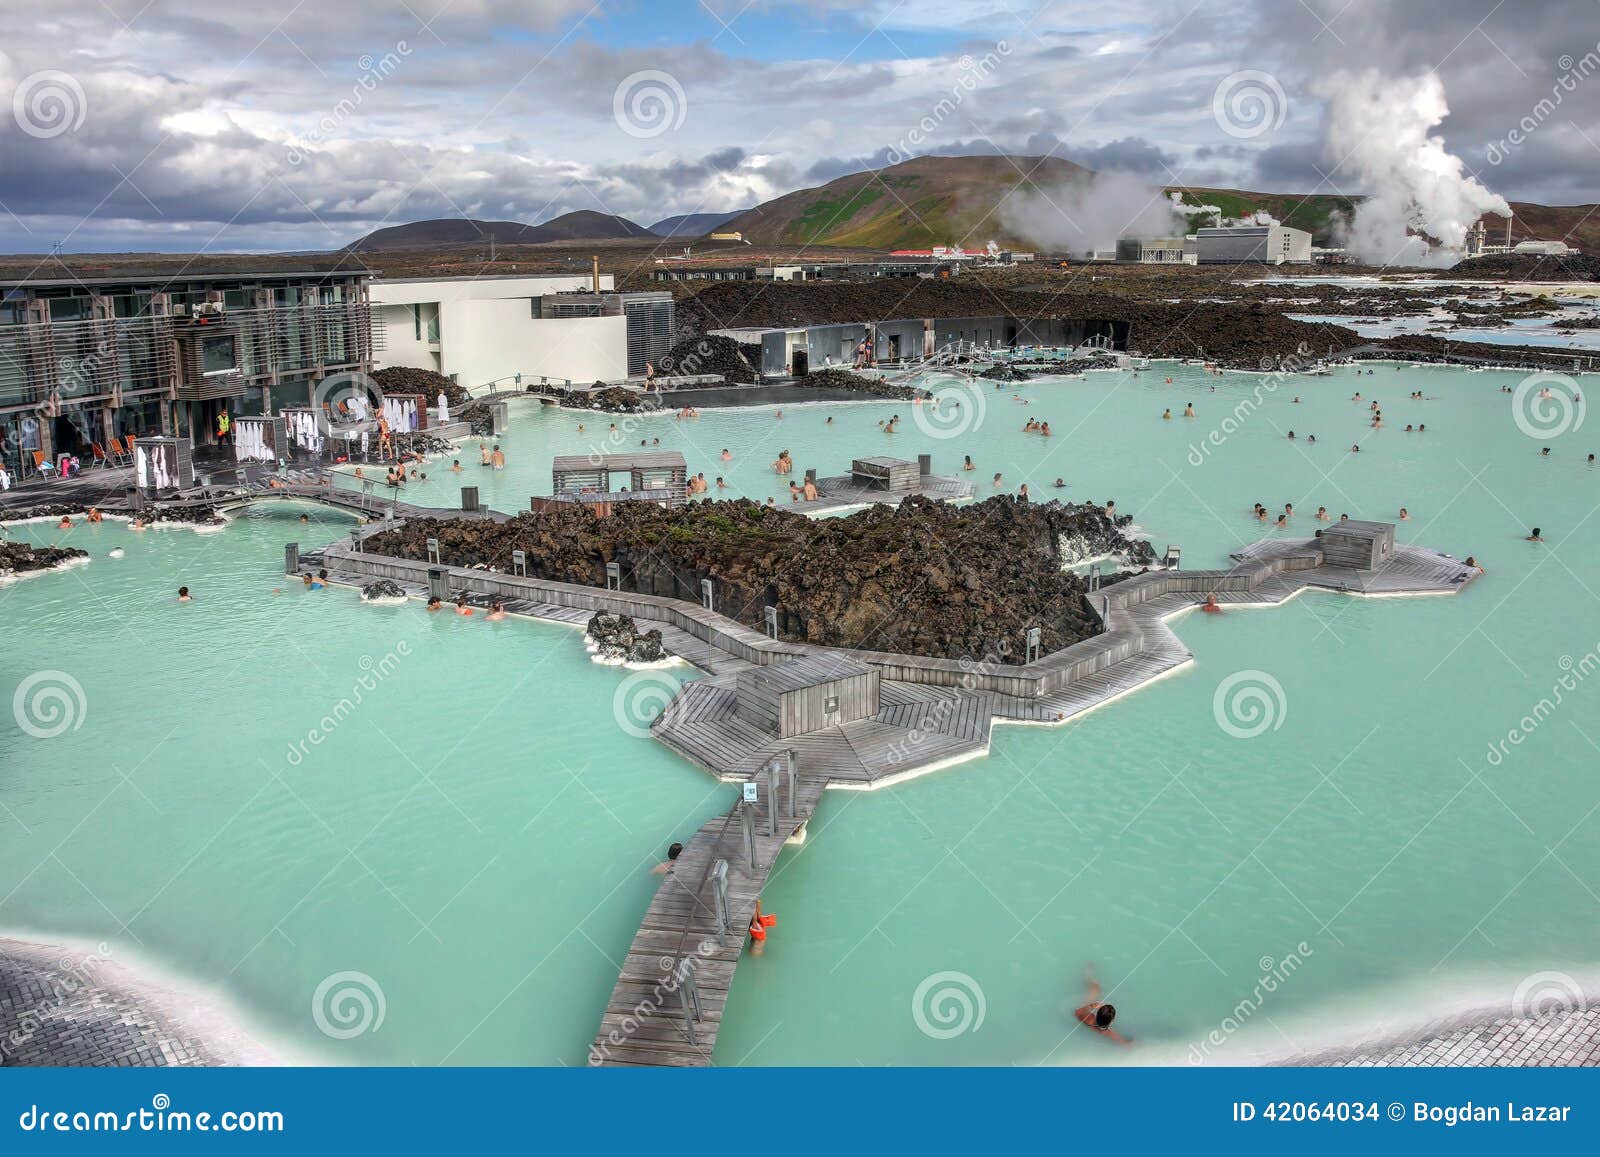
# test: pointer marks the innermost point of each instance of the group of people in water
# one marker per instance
(495, 613)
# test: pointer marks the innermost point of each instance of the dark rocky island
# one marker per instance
(617, 639)
(20, 558)
(925, 578)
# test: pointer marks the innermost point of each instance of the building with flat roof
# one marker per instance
(89, 358)
(1156, 250)
(1272, 244)
(649, 317)
(479, 330)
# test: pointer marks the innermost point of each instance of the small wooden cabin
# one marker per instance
(663, 474)
(895, 475)
(1360, 545)
(807, 694)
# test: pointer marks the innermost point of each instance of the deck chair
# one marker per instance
(42, 466)
(101, 459)
(119, 454)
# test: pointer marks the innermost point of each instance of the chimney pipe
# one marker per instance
(596, 260)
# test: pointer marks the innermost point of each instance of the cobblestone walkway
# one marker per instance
(1562, 1039)
(61, 1006)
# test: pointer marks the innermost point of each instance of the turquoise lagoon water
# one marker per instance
(476, 837)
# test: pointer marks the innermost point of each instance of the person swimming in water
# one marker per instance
(497, 611)
(1060, 483)
(184, 596)
(966, 462)
(498, 459)
(997, 481)
(461, 604)
(1188, 411)
(1405, 515)
(1098, 1014)
(1166, 415)
(1210, 606)
(670, 862)
(434, 603)
(1536, 536)
(1322, 514)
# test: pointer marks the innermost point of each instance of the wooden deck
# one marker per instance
(652, 1019)
(841, 491)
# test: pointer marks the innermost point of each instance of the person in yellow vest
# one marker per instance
(224, 424)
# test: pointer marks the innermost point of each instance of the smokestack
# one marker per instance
(596, 260)
(1509, 216)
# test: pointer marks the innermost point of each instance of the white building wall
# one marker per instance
(487, 341)
(401, 346)
(487, 331)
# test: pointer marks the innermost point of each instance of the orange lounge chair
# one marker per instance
(42, 466)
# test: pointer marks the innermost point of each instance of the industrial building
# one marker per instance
(1271, 244)
(86, 359)
(480, 330)
(1157, 250)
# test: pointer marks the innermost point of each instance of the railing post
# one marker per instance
(793, 759)
(519, 563)
(433, 551)
(1035, 643)
(719, 885)
(613, 576)
(772, 798)
(705, 594)
(771, 616)
(748, 823)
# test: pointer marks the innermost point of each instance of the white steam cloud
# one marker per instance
(1093, 214)
(1378, 132)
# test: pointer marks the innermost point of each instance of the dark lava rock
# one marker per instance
(22, 558)
(382, 589)
(737, 362)
(1005, 372)
(479, 417)
(411, 380)
(837, 379)
(606, 399)
(617, 638)
(925, 578)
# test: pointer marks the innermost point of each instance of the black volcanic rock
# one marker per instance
(617, 638)
(925, 578)
(23, 558)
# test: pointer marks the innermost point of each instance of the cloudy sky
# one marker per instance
(180, 125)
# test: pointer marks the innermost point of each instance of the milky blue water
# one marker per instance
(475, 837)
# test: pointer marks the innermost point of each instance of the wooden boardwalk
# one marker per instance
(672, 986)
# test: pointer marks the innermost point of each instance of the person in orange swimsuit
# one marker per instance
(1210, 606)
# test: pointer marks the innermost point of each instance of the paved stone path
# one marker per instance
(1570, 1039)
(61, 1006)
